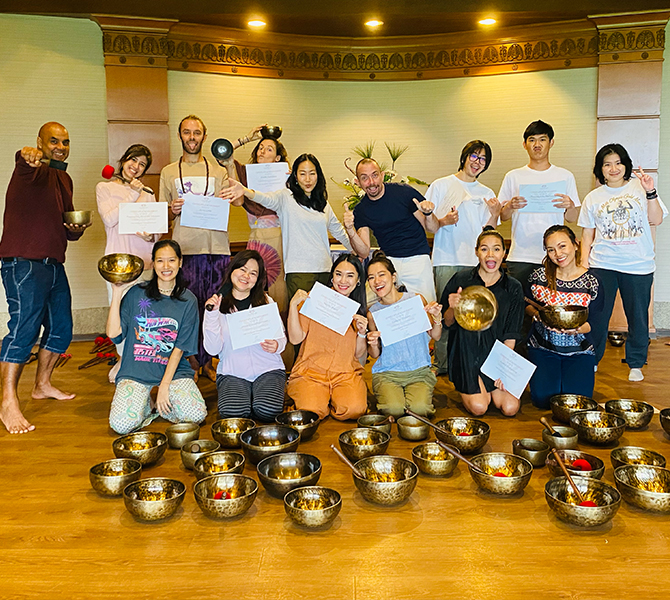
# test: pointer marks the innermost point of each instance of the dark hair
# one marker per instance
(549, 266)
(319, 196)
(281, 150)
(132, 152)
(358, 294)
(472, 147)
(489, 231)
(538, 128)
(192, 118)
(257, 293)
(151, 287)
(379, 257)
(604, 152)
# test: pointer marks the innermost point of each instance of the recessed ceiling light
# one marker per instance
(374, 23)
(488, 21)
(256, 23)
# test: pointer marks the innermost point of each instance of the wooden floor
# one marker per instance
(59, 539)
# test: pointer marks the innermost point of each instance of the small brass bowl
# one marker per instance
(271, 131)
(633, 455)
(363, 442)
(477, 308)
(636, 414)
(534, 451)
(77, 217)
(239, 493)
(518, 472)
(305, 421)
(665, 420)
(282, 473)
(564, 317)
(370, 421)
(180, 433)
(569, 457)
(388, 480)
(120, 268)
(434, 460)
(192, 451)
(644, 486)
(452, 432)
(154, 499)
(563, 406)
(562, 499)
(617, 338)
(597, 427)
(227, 431)
(144, 446)
(412, 429)
(218, 463)
(260, 442)
(312, 506)
(110, 477)
(567, 441)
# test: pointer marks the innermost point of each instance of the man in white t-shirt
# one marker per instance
(463, 206)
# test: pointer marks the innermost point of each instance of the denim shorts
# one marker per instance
(38, 295)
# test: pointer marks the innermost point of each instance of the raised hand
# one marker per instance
(298, 297)
(214, 302)
(425, 206)
(494, 206)
(434, 309)
(646, 180)
(234, 190)
(361, 324)
(454, 299)
(348, 219)
(32, 156)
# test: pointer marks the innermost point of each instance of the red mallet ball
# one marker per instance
(499, 474)
(221, 495)
(589, 503)
(581, 464)
(99, 340)
(464, 433)
(108, 171)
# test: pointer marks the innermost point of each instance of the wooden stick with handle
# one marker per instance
(459, 456)
(546, 423)
(561, 464)
(347, 462)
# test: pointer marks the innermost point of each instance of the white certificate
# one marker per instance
(149, 217)
(402, 320)
(254, 325)
(330, 309)
(205, 212)
(540, 197)
(267, 177)
(511, 368)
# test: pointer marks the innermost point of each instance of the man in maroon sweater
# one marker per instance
(32, 250)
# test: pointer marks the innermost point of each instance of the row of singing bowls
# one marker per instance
(534, 451)
(312, 506)
(192, 451)
(181, 433)
(362, 442)
(218, 463)
(665, 420)
(564, 317)
(260, 442)
(636, 414)
(370, 421)
(282, 473)
(120, 268)
(412, 429)
(305, 421)
(434, 460)
(154, 499)
(562, 499)
(109, 478)
(147, 447)
(239, 493)
(518, 472)
(227, 431)
(644, 486)
(569, 457)
(387, 480)
(465, 434)
(563, 406)
(634, 455)
(599, 428)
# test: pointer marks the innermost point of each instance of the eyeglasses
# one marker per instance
(476, 158)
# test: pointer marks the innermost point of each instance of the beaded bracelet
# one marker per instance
(652, 194)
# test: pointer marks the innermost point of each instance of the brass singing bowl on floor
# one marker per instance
(281, 473)
(564, 317)
(412, 429)
(634, 455)
(144, 446)
(534, 451)
(387, 480)
(109, 478)
(563, 501)
(370, 421)
(598, 428)
(477, 308)
(637, 414)
(665, 420)
(465, 434)
(180, 433)
(433, 460)
(154, 499)
(305, 421)
(312, 506)
(120, 268)
(517, 472)
(567, 441)
(239, 493)
(563, 406)
(77, 217)
(569, 457)
(227, 431)
(363, 442)
(218, 463)
(192, 451)
(264, 441)
(644, 486)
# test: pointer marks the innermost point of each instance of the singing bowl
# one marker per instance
(633, 455)
(222, 149)
(180, 433)
(569, 457)
(564, 317)
(434, 460)
(260, 442)
(154, 499)
(517, 469)
(617, 338)
(120, 268)
(271, 131)
(563, 406)
(282, 473)
(227, 431)
(110, 477)
(312, 506)
(241, 489)
(563, 501)
(644, 486)
(534, 451)
(387, 480)
(452, 432)
(218, 463)
(665, 420)
(598, 428)
(567, 441)
(193, 450)
(305, 421)
(77, 217)
(636, 414)
(370, 421)
(412, 429)
(363, 442)
(477, 308)
(144, 446)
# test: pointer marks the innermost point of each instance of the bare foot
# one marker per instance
(209, 372)
(13, 419)
(49, 391)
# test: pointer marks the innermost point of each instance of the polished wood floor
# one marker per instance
(59, 539)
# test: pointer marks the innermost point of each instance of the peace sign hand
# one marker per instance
(646, 180)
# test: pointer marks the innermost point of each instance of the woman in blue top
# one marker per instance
(401, 377)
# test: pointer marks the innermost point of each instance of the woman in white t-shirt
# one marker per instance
(617, 244)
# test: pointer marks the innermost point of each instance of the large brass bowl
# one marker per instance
(193, 450)
(434, 460)
(218, 463)
(477, 308)
(665, 420)
(260, 442)
(644, 486)
(633, 455)
(563, 406)
(412, 429)
(239, 493)
(227, 431)
(597, 427)
(387, 480)
(465, 434)
(569, 457)
(154, 499)
(110, 477)
(534, 451)
(120, 268)
(637, 414)
(371, 422)
(567, 440)
(312, 506)
(180, 433)
(145, 446)
(363, 442)
(562, 499)
(77, 217)
(518, 472)
(282, 473)
(564, 317)
(305, 421)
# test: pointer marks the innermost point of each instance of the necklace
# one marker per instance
(181, 178)
(166, 292)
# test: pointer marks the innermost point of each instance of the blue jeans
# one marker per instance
(38, 295)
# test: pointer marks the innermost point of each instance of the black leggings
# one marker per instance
(262, 399)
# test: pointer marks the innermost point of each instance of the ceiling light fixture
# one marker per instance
(372, 23)
(257, 23)
(488, 21)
